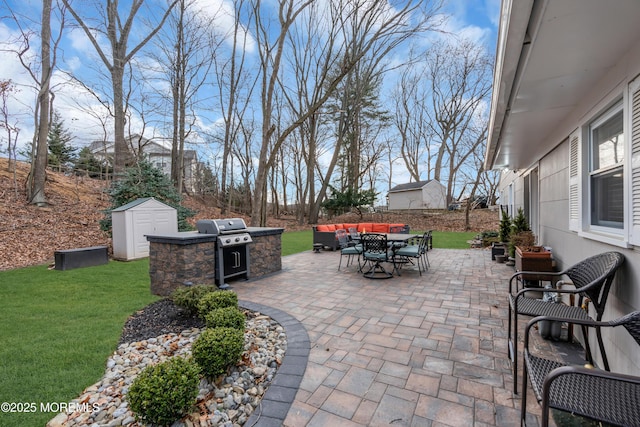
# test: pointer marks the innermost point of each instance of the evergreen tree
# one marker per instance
(87, 164)
(505, 226)
(61, 154)
(520, 222)
(341, 202)
(145, 180)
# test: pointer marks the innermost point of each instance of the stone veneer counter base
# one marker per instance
(184, 258)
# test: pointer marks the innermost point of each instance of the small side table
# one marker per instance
(317, 247)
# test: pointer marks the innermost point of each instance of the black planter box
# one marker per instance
(82, 257)
(497, 249)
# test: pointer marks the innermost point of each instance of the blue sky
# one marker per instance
(476, 19)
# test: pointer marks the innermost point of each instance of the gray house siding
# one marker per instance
(552, 162)
(569, 248)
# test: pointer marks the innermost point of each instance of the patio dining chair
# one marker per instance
(347, 249)
(354, 235)
(591, 279)
(397, 229)
(416, 248)
(375, 250)
(603, 396)
(400, 229)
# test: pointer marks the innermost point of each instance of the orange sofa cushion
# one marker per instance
(326, 227)
(364, 226)
(348, 226)
(379, 228)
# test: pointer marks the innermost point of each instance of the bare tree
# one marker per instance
(42, 81)
(411, 121)
(37, 176)
(7, 91)
(187, 47)
(117, 32)
(375, 31)
(460, 75)
(235, 88)
(477, 175)
(314, 53)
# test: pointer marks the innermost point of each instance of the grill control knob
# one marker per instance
(246, 238)
(228, 241)
(237, 239)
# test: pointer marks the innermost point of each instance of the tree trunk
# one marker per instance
(39, 163)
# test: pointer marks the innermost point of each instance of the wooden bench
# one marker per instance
(69, 259)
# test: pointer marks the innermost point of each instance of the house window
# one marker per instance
(606, 148)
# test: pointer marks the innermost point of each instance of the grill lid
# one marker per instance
(221, 226)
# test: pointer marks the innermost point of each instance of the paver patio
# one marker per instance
(412, 350)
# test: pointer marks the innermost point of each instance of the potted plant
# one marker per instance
(527, 255)
(498, 248)
(519, 225)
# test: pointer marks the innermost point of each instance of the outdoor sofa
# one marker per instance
(325, 234)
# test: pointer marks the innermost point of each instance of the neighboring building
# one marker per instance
(565, 130)
(157, 151)
(429, 194)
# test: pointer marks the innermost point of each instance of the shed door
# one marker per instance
(143, 225)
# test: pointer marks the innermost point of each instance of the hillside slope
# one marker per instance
(30, 235)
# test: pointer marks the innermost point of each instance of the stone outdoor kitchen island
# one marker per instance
(189, 258)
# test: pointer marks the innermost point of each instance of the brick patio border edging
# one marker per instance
(277, 400)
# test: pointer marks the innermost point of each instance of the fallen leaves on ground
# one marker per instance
(30, 235)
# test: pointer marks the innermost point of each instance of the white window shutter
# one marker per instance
(634, 127)
(575, 180)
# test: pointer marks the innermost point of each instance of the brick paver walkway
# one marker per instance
(407, 351)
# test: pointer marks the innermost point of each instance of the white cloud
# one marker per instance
(220, 15)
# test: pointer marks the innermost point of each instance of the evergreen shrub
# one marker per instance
(163, 393)
(214, 300)
(227, 317)
(215, 350)
(505, 227)
(188, 297)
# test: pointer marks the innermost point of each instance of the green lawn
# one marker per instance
(299, 241)
(59, 327)
(452, 240)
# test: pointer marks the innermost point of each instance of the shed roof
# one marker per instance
(139, 202)
(409, 186)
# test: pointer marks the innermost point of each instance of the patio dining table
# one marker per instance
(400, 237)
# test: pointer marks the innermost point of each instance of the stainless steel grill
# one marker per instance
(232, 254)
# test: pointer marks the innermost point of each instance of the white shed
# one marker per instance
(137, 219)
(429, 194)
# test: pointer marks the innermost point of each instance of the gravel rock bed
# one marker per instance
(161, 331)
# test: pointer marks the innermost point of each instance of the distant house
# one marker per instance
(157, 151)
(429, 194)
